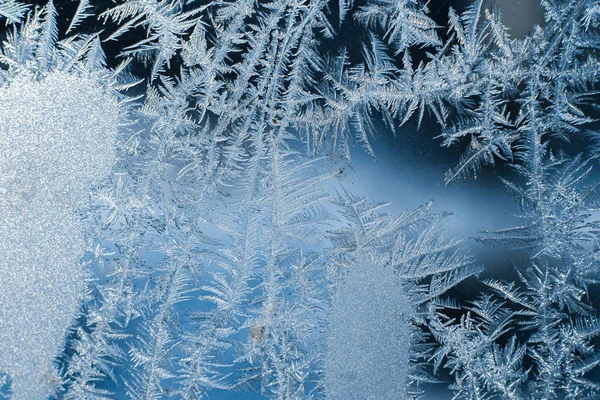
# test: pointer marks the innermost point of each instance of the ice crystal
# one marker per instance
(212, 268)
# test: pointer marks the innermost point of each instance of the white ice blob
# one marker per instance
(369, 337)
(57, 137)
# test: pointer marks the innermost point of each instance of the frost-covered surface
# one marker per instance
(57, 139)
(227, 259)
(369, 336)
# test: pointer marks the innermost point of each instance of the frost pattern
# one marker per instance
(369, 336)
(58, 139)
(217, 202)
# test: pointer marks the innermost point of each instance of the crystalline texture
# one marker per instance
(57, 137)
(369, 337)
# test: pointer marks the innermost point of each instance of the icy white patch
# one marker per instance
(369, 337)
(57, 137)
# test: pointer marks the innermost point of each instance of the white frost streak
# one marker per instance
(57, 136)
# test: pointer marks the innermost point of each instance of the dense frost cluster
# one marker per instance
(58, 139)
(168, 228)
(369, 337)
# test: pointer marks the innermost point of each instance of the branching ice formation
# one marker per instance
(215, 201)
